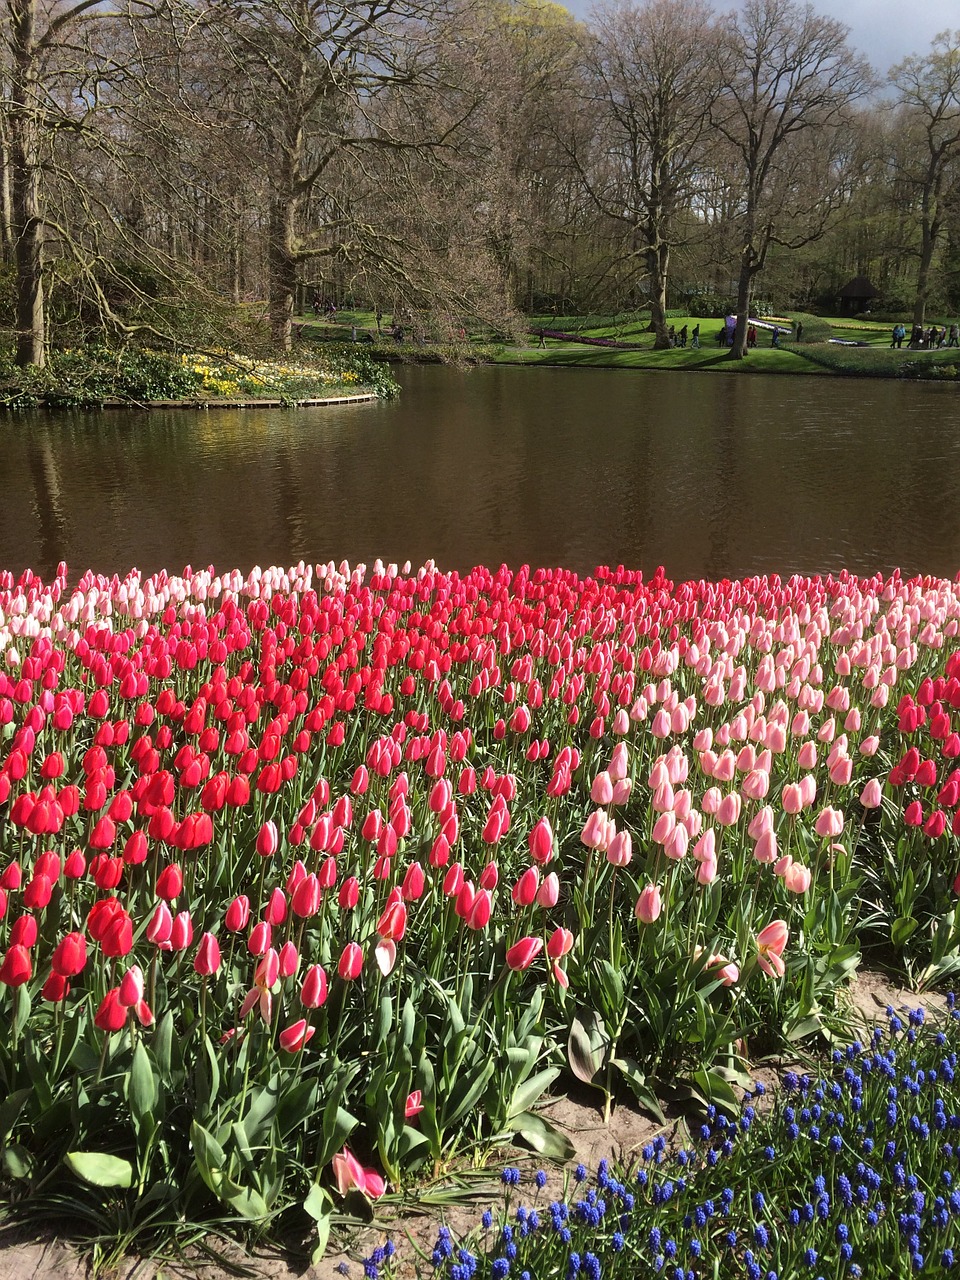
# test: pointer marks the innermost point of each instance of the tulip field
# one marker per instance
(315, 881)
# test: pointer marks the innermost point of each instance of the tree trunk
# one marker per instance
(658, 261)
(744, 291)
(283, 272)
(927, 247)
(25, 184)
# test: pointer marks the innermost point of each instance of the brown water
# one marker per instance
(710, 475)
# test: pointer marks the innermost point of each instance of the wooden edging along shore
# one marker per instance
(242, 404)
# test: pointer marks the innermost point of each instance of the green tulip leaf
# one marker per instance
(99, 1169)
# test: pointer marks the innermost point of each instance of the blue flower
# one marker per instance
(541, 1179)
(580, 1173)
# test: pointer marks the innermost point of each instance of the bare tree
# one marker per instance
(788, 77)
(928, 95)
(651, 82)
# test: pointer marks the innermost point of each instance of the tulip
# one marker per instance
(131, 987)
(17, 966)
(349, 1173)
(765, 849)
(549, 891)
(313, 992)
(601, 792)
(560, 943)
(771, 941)
(296, 1036)
(797, 878)
(829, 823)
(349, 894)
(478, 914)
(306, 897)
(620, 849)
(707, 871)
(112, 1013)
(276, 911)
(170, 882)
(523, 953)
(181, 931)
(524, 892)
(649, 904)
(540, 842)
(207, 960)
(872, 794)
(70, 955)
(728, 814)
(413, 883)
(268, 841)
(351, 962)
(414, 1105)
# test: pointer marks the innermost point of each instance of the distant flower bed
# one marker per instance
(311, 879)
(89, 376)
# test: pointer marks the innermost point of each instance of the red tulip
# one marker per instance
(523, 953)
(351, 962)
(70, 955)
(207, 960)
(296, 1036)
(268, 840)
(313, 993)
(17, 966)
(111, 1015)
(238, 913)
(349, 893)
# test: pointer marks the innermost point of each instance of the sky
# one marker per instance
(884, 30)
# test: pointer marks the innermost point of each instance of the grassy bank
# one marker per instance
(820, 351)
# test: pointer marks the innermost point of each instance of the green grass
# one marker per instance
(814, 355)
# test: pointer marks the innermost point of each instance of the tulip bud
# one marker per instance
(207, 960)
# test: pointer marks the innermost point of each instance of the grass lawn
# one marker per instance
(876, 359)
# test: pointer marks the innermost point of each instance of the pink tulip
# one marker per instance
(480, 909)
(707, 871)
(706, 846)
(620, 849)
(619, 762)
(649, 904)
(869, 746)
(711, 800)
(549, 891)
(560, 942)
(797, 878)
(675, 846)
(602, 790)
(761, 821)
(728, 813)
(808, 789)
(349, 1173)
(765, 849)
(792, 798)
(756, 784)
(771, 941)
(414, 1105)
(385, 954)
(523, 953)
(594, 834)
(829, 823)
(663, 827)
(268, 840)
(872, 794)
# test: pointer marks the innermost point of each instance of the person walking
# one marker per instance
(775, 338)
(799, 332)
(695, 337)
(682, 337)
(954, 339)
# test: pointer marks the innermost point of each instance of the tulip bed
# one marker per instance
(312, 880)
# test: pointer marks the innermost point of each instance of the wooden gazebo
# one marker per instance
(856, 296)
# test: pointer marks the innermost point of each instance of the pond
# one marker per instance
(710, 475)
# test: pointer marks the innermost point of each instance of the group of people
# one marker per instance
(680, 339)
(926, 339)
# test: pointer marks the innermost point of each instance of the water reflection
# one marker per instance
(710, 475)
